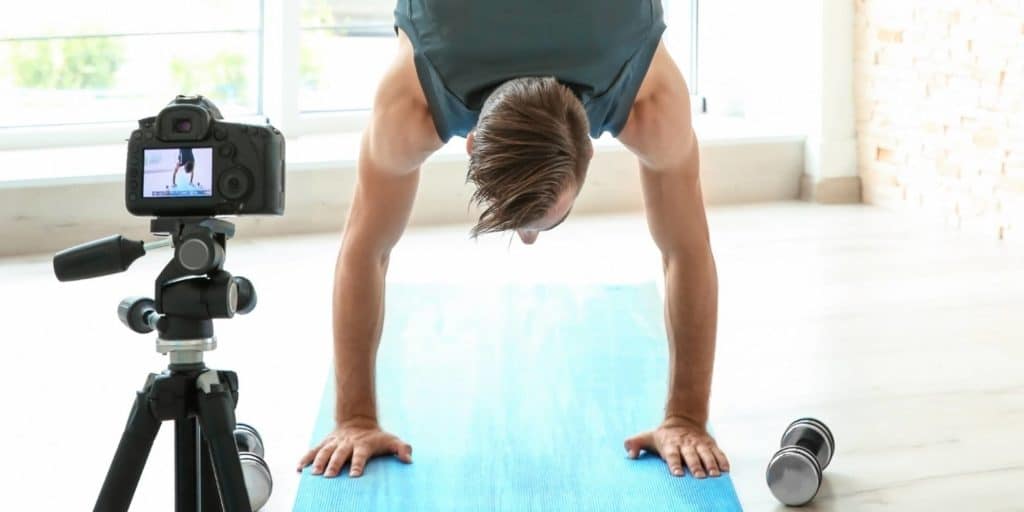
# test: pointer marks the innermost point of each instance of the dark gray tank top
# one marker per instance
(464, 49)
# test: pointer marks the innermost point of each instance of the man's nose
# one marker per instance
(528, 237)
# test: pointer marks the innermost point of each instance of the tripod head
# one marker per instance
(191, 291)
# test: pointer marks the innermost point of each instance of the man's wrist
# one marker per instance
(675, 419)
(689, 411)
(358, 421)
(359, 412)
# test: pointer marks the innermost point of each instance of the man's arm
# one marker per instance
(399, 138)
(660, 133)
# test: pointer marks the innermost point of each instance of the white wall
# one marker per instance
(831, 135)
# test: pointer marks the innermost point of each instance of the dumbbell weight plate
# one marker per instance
(248, 439)
(813, 435)
(794, 476)
(258, 481)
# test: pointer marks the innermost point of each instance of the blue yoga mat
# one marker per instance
(517, 398)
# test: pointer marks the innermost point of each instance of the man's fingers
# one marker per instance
(708, 458)
(359, 458)
(403, 451)
(639, 442)
(322, 456)
(632, 452)
(693, 461)
(632, 447)
(307, 459)
(338, 459)
(671, 456)
(723, 462)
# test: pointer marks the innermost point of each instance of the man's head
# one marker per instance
(528, 157)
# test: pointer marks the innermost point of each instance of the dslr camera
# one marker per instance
(188, 162)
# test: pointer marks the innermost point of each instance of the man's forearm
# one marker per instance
(691, 318)
(358, 317)
(678, 222)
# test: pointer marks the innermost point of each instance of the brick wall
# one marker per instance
(939, 92)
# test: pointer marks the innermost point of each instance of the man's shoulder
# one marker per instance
(661, 78)
(660, 116)
(400, 109)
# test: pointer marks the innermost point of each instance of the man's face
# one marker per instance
(555, 216)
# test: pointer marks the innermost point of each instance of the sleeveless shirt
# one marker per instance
(464, 49)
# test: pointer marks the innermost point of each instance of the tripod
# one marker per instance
(191, 291)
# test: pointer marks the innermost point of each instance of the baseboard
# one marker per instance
(846, 190)
(46, 216)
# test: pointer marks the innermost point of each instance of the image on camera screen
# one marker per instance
(181, 172)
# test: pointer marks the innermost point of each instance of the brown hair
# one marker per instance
(531, 141)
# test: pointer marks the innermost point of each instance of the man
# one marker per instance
(477, 69)
(187, 160)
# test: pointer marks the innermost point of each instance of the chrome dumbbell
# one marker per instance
(794, 473)
(254, 469)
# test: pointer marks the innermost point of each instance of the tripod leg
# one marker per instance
(217, 420)
(186, 453)
(210, 496)
(130, 457)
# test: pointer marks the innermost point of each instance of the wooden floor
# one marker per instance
(907, 340)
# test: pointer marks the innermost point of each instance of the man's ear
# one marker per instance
(469, 142)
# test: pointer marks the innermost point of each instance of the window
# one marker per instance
(680, 38)
(753, 56)
(345, 48)
(109, 60)
(342, 36)
(312, 66)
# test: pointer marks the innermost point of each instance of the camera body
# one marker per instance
(187, 161)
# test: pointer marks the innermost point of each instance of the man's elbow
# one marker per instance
(691, 251)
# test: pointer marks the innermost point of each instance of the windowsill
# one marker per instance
(103, 163)
(742, 162)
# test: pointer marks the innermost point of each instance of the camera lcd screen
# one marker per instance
(181, 172)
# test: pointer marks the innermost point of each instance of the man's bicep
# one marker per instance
(398, 139)
(660, 133)
(381, 205)
(670, 176)
(391, 153)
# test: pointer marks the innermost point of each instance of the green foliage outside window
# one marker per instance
(222, 77)
(73, 63)
(309, 67)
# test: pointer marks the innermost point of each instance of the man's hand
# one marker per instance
(359, 441)
(678, 440)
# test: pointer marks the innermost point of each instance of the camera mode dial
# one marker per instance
(235, 183)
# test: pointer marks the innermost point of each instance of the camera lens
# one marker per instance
(183, 125)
